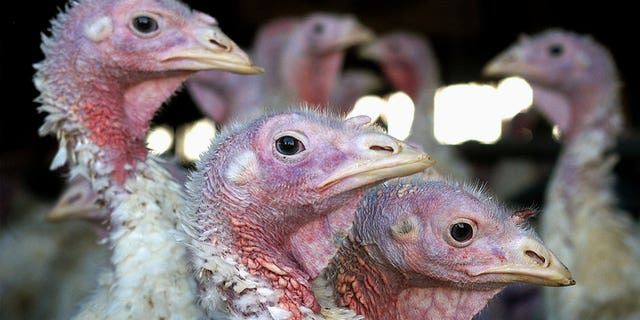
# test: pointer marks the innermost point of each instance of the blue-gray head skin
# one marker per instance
(437, 249)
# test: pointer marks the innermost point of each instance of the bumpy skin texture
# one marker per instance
(410, 64)
(433, 250)
(261, 182)
(576, 86)
(302, 57)
(108, 67)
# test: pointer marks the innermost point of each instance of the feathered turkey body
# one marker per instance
(99, 105)
(433, 250)
(581, 97)
(248, 198)
(37, 256)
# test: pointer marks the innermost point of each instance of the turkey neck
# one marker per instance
(100, 116)
(595, 108)
(445, 303)
(580, 185)
(361, 284)
(314, 244)
(321, 70)
(416, 79)
(367, 287)
(258, 234)
(111, 108)
(420, 82)
(583, 165)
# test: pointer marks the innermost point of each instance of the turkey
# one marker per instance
(423, 249)
(576, 86)
(313, 56)
(303, 58)
(108, 66)
(260, 182)
(409, 63)
(351, 86)
(45, 267)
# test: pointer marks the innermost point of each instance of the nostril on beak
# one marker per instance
(219, 44)
(382, 148)
(73, 198)
(536, 257)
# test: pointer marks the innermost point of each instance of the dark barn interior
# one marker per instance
(465, 35)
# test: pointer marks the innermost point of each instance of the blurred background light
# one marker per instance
(556, 134)
(160, 139)
(395, 110)
(464, 112)
(194, 139)
(370, 105)
(399, 115)
(515, 95)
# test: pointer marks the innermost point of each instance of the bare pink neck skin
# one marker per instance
(261, 247)
(314, 77)
(585, 108)
(594, 123)
(415, 79)
(115, 113)
(378, 292)
(316, 243)
(260, 236)
(420, 82)
(595, 109)
(405, 77)
(442, 303)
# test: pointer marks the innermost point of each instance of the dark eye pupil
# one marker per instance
(318, 28)
(461, 231)
(145, 24)
(555, 50)
(288, 145)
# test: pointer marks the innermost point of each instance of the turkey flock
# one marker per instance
(299, 209)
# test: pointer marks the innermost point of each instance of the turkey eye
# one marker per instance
(288, 145)
(318, 28)
(145, 24)
(555, 50)
(461, 231)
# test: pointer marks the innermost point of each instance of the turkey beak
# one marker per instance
(212, 50)
(509, 62)
(355, 33)
(380, 157)
(76, 202)
(531, 262)
(370, 52)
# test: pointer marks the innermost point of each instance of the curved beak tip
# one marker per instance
(258, 70)
(491, 69)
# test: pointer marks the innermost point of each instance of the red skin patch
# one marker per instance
(109, 134)
(282, 273)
